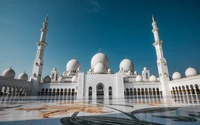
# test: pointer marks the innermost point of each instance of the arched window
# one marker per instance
(90, 91)
(62, 91)
(46, 91)
(69, 91)
(100, 89)
(58, 91)
(131, 91)
(65, 91)
(127, 91)
(50, 91)
(138, 91)
(180, 91)
(110, 90)
(42, 91)
(197, 89)
(134, 91)
(52, 76)
(157, 91)
(192, 89)
(146, 91)
(187, 88)
(142, 91)
(54, 91)
(150, 92)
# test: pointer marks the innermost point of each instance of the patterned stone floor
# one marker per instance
(98, 112)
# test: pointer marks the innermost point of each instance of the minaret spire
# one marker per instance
(161, 61)
(155, 29)
(39, 59)
(153, 18)
(44, 30)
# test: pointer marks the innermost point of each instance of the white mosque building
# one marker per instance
(100, 80)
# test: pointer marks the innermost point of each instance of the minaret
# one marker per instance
(38, 62)
(161, 61)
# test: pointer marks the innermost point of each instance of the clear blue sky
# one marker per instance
(80, 27)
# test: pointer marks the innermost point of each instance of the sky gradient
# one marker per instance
(121, 28)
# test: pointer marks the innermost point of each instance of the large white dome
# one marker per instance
(73, 65)
(10, 73)
(190, 72)
(47, 79)
(126, 65)
(61, 79)
(152, 78)
(138, 78)
(99, 68)
(176, 75)
(23, 76)
(100, 57)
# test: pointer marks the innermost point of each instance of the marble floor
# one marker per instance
(129, 111)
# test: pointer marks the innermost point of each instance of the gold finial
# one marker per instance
(152, 17)
(46, 19)
(99, 50)
(125, 57)
(74, 57)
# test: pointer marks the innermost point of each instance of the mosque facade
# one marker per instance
(100, 80)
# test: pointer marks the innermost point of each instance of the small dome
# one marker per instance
(73, 65)
(100, 57)
(54, 69)
(109, 70)
(47, 79)
(10, 73)
(135, 73)
(152, 78)
(61, 79)
(23, 76)
(138, 78)
(190, 72)
(99, 68)
(145, 68)
(74, 79)
(126, 65)
(176, 75)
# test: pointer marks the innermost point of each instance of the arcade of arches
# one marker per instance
(57, 91)
(13, 91)
(186, 94)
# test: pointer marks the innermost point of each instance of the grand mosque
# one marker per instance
(100, 80)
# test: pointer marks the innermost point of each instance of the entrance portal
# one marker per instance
(100, 89)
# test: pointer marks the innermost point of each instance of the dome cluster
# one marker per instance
(73, 65)
(100, 64)
(23, 76)
(47, 79)
(138, 78)
(152, 78)
(126, 65)
(10, 73)
(189, 72)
